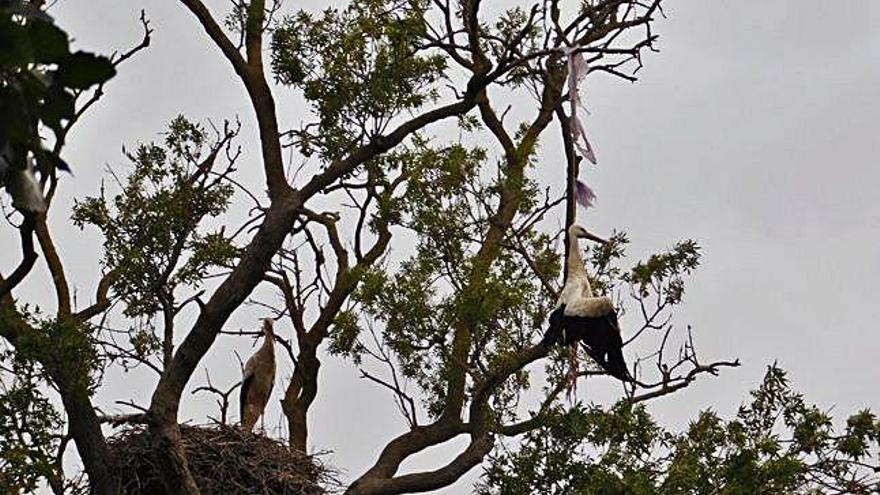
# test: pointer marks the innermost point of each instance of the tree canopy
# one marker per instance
(776, 443)
(407, 225)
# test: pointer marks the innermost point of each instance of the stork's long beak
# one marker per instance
(593, 237)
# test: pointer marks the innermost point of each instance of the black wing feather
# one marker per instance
(242, 396)
(557, 325)
(616, 363)
(601, 337)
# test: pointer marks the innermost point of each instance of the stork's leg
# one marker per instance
(249, 419)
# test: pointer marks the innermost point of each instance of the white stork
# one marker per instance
(581, 316)
(258, 378)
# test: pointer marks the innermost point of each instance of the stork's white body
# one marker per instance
(577, 293)
(258, 379)
(579, 301)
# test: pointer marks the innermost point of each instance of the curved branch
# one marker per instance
(56, 268)
(668, 386)
(28, 258)
(102, 299)
(472, 456)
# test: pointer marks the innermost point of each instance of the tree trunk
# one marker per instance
(83, 423)
(299, 396)
(169, 456)
(85, 429)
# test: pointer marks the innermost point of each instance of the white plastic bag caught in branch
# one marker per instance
(583, 194)
(577, 70)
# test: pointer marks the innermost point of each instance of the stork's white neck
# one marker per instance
(577, 274)
(268, 342)
(575, 261)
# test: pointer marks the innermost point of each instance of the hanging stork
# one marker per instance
(582, 317)
(258, 378)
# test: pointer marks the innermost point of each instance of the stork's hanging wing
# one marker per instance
(555, 330)
(601, 339)
(616, 365)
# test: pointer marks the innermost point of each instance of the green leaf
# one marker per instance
(48, 42)
(81, 70)
(14, 46)
(57, 106)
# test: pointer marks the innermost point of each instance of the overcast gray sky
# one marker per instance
(754, 132)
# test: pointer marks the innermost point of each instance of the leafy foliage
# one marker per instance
(62, 345)
(358, 67)
(150, 228)
(430, 294)
(681, 260)
(28, 431)
(40, 79)
(777, 443)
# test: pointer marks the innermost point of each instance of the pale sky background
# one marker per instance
(754, 132)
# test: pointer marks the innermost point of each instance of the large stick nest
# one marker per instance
(223, 460)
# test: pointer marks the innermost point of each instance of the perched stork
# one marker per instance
(258, 378)
(581, 317)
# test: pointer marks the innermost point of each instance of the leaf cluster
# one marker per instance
(777, 443)
(358, 67)
(681, 260)
(40, 79)
(584, 450)
(62, 344)
(28, 431)
(433, 292)
(150, 228)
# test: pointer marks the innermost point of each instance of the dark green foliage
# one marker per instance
(604, 259)
(57, 344)
(39, 81)
(344, 337)
(513, 28)
(358, 67)
(421, 303)
(30, 426)
(62, 345)
(583, 450)
(681, 260)
(28, 432)
(151, 236)
(776, 444)
(143, 339)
